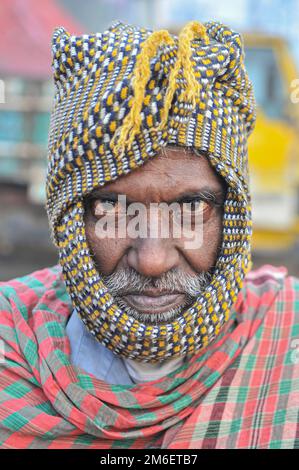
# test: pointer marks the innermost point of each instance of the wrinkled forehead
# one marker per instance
(173, 173)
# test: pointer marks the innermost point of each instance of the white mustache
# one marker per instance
(127, 280)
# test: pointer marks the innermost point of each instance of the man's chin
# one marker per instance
(148, 304)
(156, 315)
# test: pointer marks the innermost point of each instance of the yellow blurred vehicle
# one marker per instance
(274, 145)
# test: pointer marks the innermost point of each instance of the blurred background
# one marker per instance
(271, 33)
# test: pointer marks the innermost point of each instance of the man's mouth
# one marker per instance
(154, 301)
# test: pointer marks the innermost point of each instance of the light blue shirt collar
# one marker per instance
(92, 356)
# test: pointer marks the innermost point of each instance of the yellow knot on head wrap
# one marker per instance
(132, 122)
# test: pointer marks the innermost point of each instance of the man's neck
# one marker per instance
(144, 372)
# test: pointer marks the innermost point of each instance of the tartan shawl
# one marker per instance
(242, 391)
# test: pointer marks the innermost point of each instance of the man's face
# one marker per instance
(154, 278)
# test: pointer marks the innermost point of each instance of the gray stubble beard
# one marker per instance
(123, 281)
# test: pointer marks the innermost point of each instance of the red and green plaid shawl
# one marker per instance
(241, 392)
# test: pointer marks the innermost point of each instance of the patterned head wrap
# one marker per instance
(121, 96)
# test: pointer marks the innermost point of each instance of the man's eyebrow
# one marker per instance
(207, 193)
(102, 194)
(113, 196)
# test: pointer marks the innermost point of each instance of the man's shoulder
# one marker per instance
(39, 287)
(272, 285)
(268, 274)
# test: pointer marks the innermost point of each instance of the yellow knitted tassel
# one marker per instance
(124, 137)
(132, 121)
(189, 32)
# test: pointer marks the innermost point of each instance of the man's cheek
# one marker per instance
(203, 258)
(108, 254)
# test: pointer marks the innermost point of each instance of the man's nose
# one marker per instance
(152, 257)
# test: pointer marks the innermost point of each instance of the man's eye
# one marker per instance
(195, 208)
(101, 207)
(194, 204)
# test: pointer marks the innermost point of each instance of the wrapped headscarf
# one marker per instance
(121, 97)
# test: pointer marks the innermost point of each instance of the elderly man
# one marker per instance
(137, 339)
